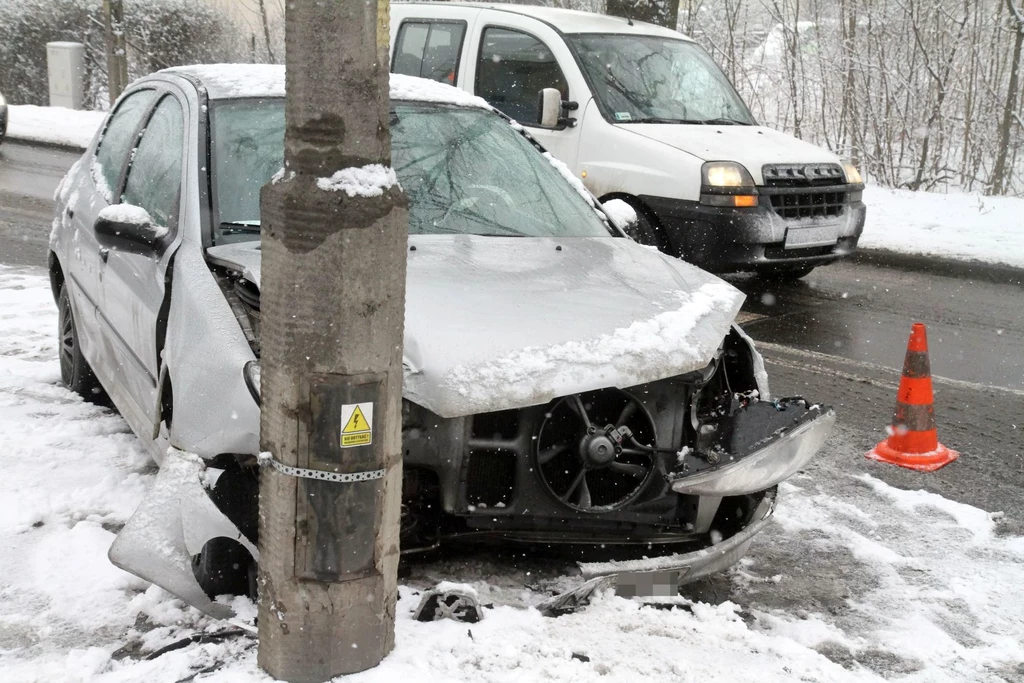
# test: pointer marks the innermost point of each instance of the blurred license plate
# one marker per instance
(818, 236)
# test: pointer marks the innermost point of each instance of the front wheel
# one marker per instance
(74, 369)
(225, 567)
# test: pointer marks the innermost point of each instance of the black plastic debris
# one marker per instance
(569, 602)
(450, 603)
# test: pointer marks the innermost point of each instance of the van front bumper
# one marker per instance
(724, 239)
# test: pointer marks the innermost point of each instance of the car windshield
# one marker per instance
(465, 171)
(648, 79)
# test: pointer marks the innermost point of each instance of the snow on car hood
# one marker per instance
(752, 146)
(495, 323)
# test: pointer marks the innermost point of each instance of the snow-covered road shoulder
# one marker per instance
(956, 226)
(53, 125)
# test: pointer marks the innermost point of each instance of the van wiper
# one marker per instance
(239, 227)
(657, 119)
(722, 121)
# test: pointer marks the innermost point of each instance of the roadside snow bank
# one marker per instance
(53, 125)
(960, 226)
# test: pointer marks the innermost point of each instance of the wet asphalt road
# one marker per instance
(838, 336)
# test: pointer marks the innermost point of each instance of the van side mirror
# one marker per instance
(128, 228)
(550, 107)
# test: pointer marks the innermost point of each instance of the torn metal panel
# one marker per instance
(205, 353)
(172, 524)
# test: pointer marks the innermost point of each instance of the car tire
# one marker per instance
(224, 567)
(74, 369)
(784, 274)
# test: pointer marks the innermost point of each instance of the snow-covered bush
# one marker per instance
(159, 33)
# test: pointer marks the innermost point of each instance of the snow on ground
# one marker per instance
(856, 581)
(960, 226)
(53, 125)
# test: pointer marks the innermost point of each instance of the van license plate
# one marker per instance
(817, 236)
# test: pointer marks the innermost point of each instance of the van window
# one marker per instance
(513, 68)
(429, 49)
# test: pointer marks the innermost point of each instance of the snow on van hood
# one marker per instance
(752, 146)
(494, 323)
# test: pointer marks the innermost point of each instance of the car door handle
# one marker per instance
(104, 253)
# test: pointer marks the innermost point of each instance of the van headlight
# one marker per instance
(852, 174)
(727, 183)
(251, 373)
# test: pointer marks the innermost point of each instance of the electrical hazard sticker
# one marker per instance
(356, 424)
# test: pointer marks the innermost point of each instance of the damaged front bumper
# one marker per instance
(740, 464)
(754, 449)
(172, 525)
(663, 575)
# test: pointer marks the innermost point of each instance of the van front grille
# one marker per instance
(805, 190)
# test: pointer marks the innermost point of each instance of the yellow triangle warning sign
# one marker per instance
(356, 423)
(357, 419)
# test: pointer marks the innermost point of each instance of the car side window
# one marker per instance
(429, 49)
(154, 177)
(116, 141)
(512, 70)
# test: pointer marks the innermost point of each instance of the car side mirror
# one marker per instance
(622, 215)
(550, 107)
(128, 228)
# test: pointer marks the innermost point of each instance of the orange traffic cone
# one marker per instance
(913, 440)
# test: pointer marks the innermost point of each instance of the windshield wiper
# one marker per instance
(656, 119)
(722, 121)
(239, 228)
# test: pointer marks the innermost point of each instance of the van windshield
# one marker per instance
(649, 79)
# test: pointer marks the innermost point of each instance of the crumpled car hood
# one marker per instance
(495, 323)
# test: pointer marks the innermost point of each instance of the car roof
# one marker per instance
(566, 20)
(235, 81)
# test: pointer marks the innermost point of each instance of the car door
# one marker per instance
(516, 58)
(93, 190)
(135, 284)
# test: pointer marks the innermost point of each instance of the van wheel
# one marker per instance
(783, 274)
(75, 372)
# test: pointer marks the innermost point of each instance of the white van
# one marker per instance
(642, 113)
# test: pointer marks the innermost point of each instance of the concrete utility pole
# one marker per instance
(333, 309)
(117, 56)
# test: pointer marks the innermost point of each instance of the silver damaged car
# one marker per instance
(565, 389)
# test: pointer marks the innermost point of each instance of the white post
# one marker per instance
(65, 64)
